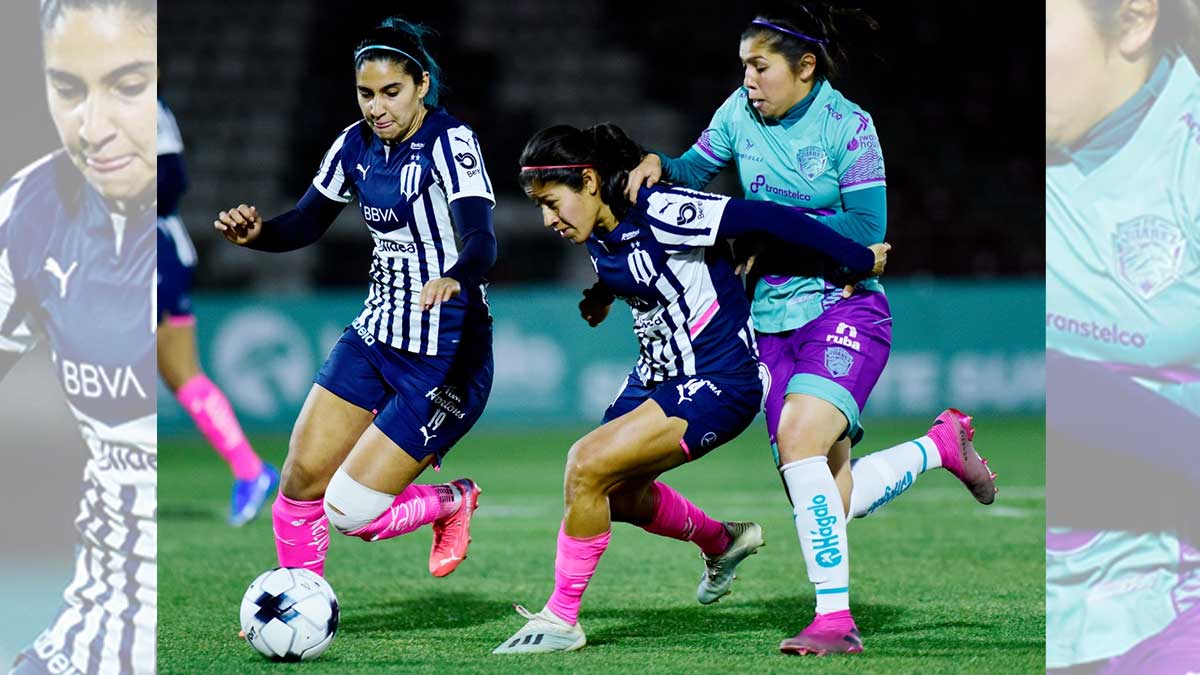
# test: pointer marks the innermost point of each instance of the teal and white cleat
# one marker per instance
(717, 580)
(543, 633)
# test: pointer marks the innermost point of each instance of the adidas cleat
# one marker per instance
(717, 580)
(543, 633)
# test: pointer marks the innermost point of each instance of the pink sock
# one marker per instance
(573, 569)
(301, 533)
(214, 416)
(677, 518)
(418, 505)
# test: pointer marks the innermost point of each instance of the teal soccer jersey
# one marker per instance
(833, 149)
(1123, 287)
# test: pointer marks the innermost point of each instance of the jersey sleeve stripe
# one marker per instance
(446, 163)
(487, 183)
(708, 154)
(681, 230)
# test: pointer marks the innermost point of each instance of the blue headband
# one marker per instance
(390, 49)
(781, 29)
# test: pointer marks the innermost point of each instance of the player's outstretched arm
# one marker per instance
(742, 217)
(301, 226)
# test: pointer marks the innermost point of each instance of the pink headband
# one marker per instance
(558, 166)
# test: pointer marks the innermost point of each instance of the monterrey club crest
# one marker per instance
(838, 361)
(1147, 252)
(812, 161)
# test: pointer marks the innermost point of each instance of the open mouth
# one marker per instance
(108, 164)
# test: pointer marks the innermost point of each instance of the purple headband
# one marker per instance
(781, 29)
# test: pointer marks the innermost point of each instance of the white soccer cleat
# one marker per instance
(543, 633)
(717, 580)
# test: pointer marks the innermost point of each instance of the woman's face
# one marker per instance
(101, 84)
(389, 98)
(1090, 74)
(771, 84)
(573, 215)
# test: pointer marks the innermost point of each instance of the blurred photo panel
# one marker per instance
(78, 424)
(1122, 336)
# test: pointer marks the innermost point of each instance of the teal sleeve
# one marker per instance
(690, 169)
(865, 217)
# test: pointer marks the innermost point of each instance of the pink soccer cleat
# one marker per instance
(452, 534)
(832, 633)
(952, 434)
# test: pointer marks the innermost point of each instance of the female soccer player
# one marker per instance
(695, 385)
(77, 254)
(798, 141)
(1123, 296)
(411, 374)
(253, 479)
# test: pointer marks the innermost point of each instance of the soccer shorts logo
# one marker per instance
(838, 361)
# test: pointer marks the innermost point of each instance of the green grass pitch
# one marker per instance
(939, 584)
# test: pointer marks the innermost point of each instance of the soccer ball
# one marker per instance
(289, 614)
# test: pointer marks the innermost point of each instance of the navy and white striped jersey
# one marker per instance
(79, 276)
(404, 192)
(690, 312)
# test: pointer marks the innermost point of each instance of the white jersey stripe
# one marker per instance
(184, 248)
(330, 180)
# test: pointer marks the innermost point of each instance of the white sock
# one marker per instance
(882, 476)
(818, 509)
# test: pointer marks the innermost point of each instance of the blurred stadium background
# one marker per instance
(956, 92)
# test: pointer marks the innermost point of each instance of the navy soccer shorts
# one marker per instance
(716, 408)
(424, 404)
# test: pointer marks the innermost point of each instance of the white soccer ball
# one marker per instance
(289, 614)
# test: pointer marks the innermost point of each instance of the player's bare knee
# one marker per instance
(586, 469)
(350, 505)
(299, 480)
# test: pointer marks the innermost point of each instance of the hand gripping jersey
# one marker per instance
(404, 192)
(831, 150)
(1123, 287)
(689, 311)
(81, 276)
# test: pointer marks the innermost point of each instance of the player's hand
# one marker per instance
(745, 267)
(241, 224)
(439, 290)
(593, 308)
(881, 254)
(648, 172)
